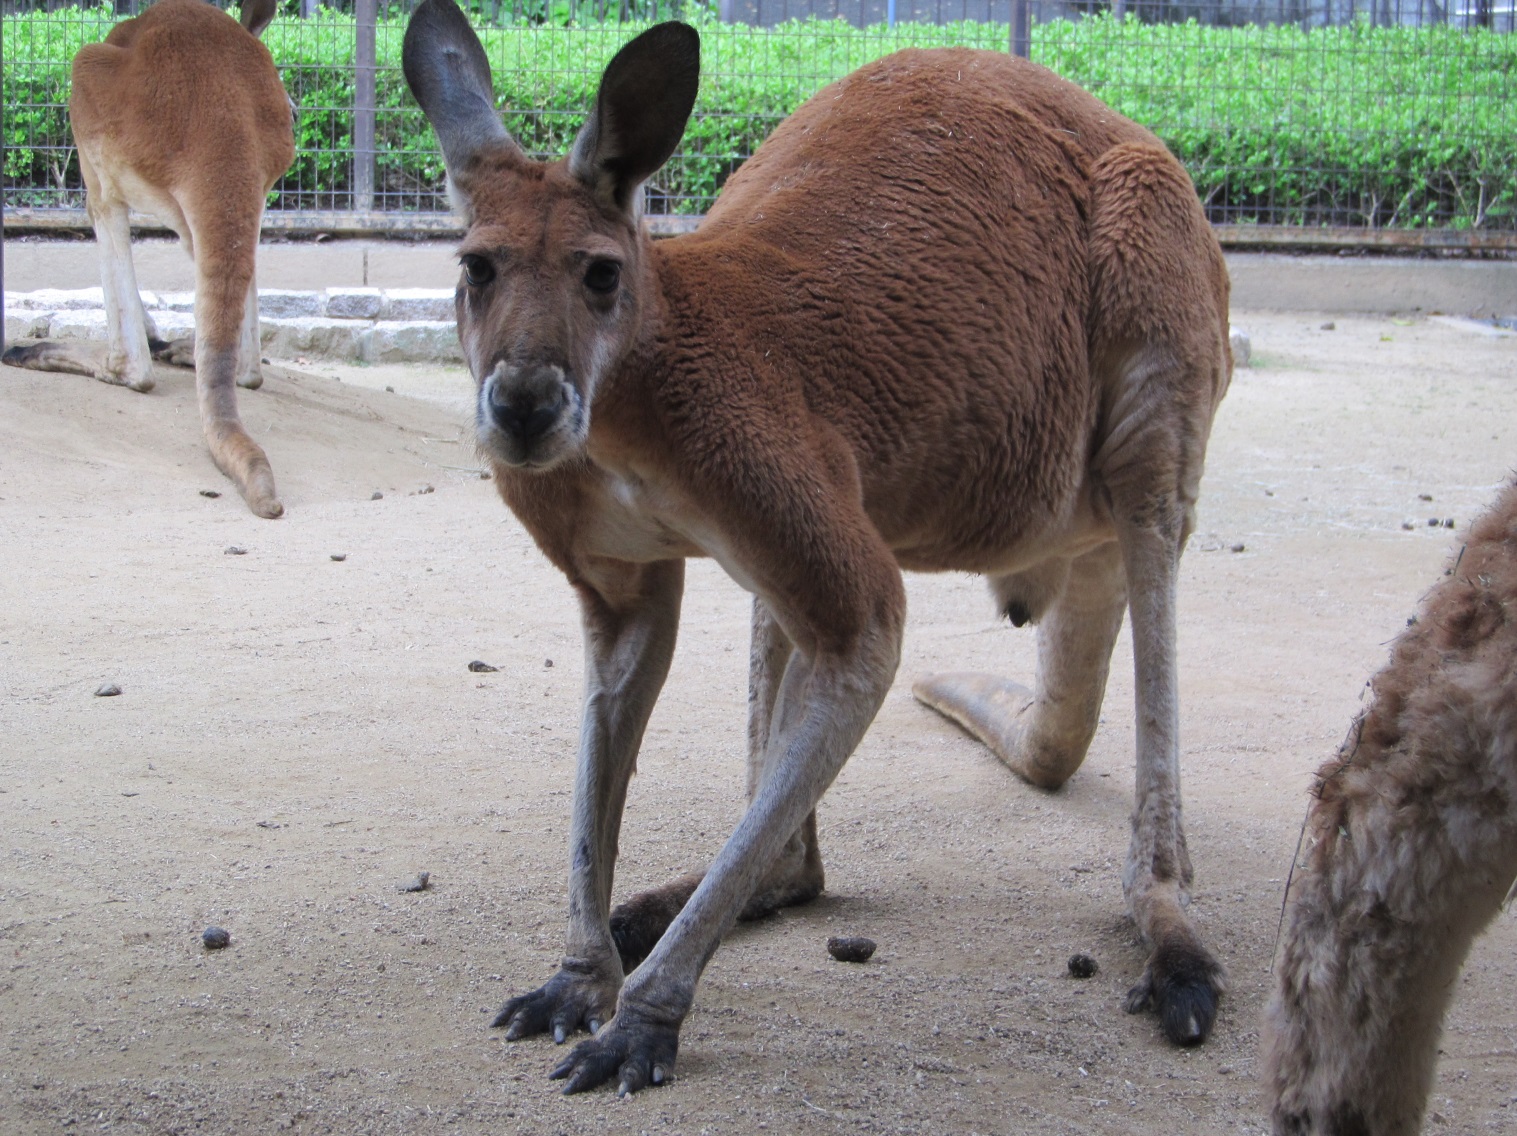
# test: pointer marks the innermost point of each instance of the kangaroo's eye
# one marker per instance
(477, 270)
(603, 276)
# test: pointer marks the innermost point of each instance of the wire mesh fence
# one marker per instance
(1381, 120)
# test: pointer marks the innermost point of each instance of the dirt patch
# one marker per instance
(297, 737)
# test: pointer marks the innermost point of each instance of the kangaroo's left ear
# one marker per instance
(645, 99)
(257, 14)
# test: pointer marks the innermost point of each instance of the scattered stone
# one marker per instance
(1433, 522)
(422, 881)
(376, 496)
(234, 550)
(1329, 326)
(850, 948)
(547, 664)
(1407, 526)
(423, 491)
(1448, 522)
(479, 667)
(1240, 547)
(1081, 965)
(269, 824)
(1424, 496)
(339, 556)
(484, 475)
(109, 690)
(210, 493)
(216, 938)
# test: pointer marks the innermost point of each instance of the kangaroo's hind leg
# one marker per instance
(1043, 734)
(796, 877)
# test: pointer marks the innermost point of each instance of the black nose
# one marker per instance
(524, 412)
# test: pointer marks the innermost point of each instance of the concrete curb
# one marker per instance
(351, 325)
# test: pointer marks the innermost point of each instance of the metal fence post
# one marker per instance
(364, 63)
(1021, 28)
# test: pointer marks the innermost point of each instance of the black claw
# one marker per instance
(636, 1053)
(559, 1006)
(588, 1066)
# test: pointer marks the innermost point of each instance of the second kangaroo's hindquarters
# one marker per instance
(954, 314)
(180, 113)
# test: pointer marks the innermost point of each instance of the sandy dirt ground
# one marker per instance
(297, 736)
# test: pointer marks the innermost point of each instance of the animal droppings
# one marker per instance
(422, 881)
(850, 948)
(1448, 522)
(376, 496)
(234, 550)
(1081, 965)
(210, 493)
(339, 556)
(1424, 496)
(215, 938)
(108, 690)
(479, 667)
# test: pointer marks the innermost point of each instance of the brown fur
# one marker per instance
(953, 314)
(180, 113)
(1409, 849)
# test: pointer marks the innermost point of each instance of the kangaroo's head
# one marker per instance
(554, 281)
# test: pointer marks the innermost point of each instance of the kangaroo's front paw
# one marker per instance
(1182, 984)
(635, 1050)
(579, 996)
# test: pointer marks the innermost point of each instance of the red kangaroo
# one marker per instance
(953, 314)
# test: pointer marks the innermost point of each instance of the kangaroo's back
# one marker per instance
(916, 243)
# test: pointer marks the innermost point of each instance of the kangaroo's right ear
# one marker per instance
(255, 15)
(447, 71)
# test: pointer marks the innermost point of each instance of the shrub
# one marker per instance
(1355, 125)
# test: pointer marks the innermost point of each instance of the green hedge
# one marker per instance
(1354, 125)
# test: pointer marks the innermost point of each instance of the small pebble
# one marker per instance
(1407, 526)
(850, 948)
(1433, 522)
(339, 556)
(1448, 522)
(1238, 548)
(215, 938)
(1329, 326)
(479, 667)
(1424, 496)
(484, 475)
(422, 881)
(108, 690)
(376, 496)
(423, 491)
(547, 664)
(233, 550)
(210, 493)
(1081, 965)
(390, 389)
